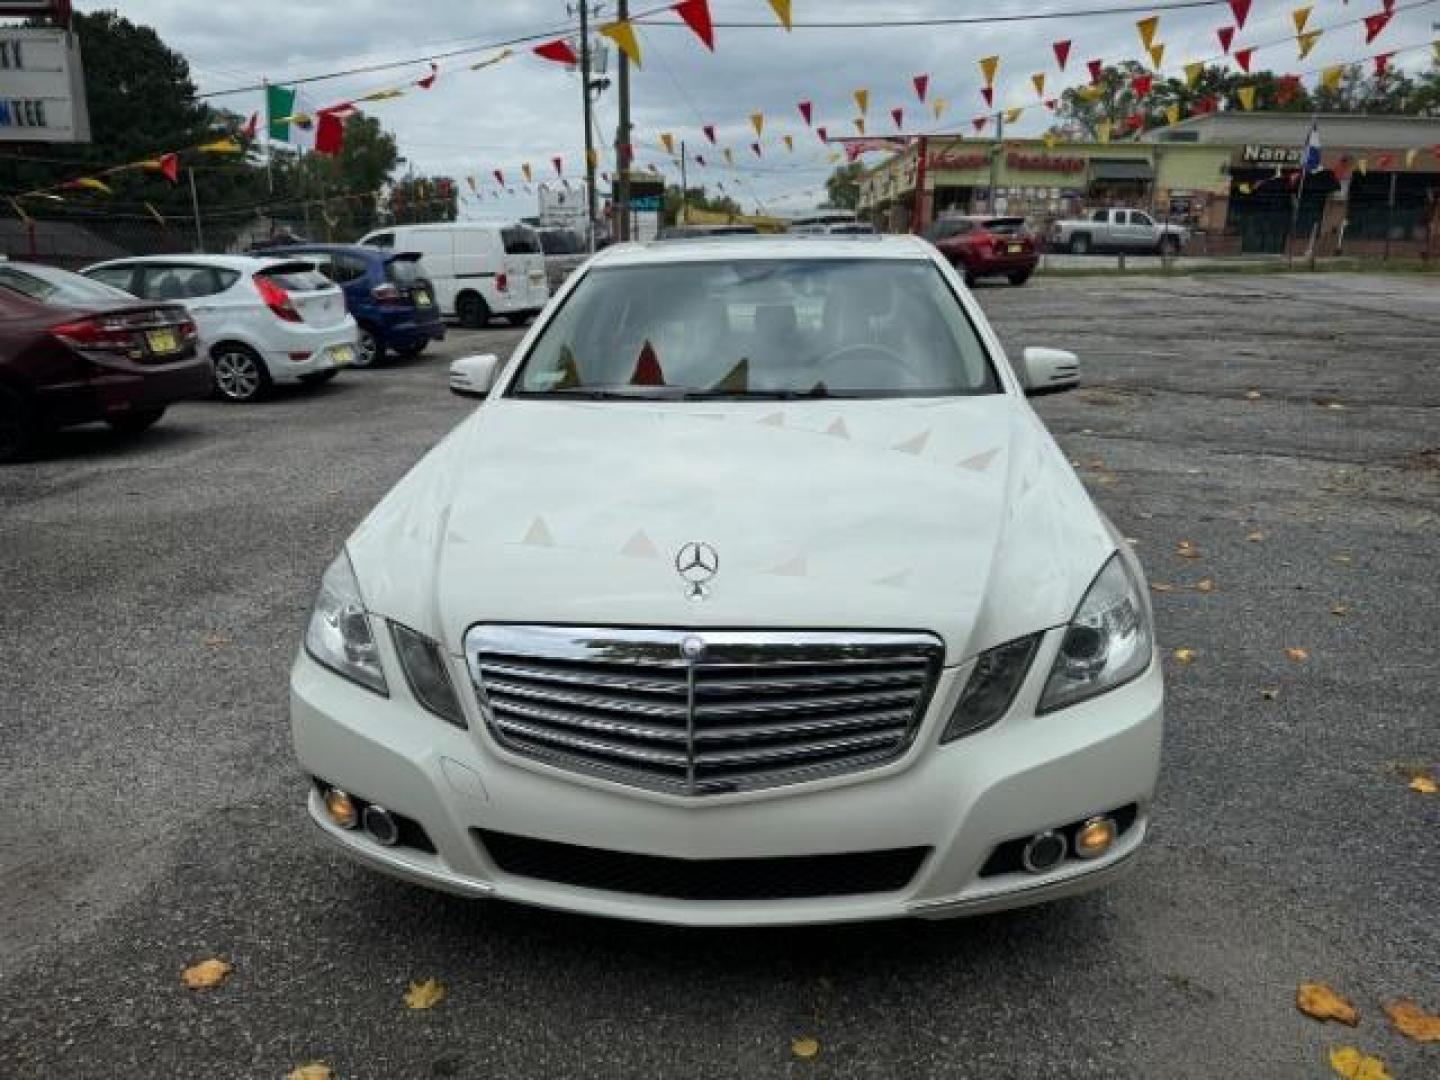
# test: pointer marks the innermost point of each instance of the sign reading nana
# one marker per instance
(1271, 155)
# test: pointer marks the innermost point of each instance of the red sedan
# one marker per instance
(73, 351)
(980, 246)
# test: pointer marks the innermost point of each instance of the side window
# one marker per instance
(1100, 215)
(1137, 218)
(382, 240)
(348, 268)
(1122, 217)
(184, 282)
(323, 263)
(119, 277)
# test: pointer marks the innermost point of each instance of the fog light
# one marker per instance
(1094, 838)
(1045, 851)
(341, 808)
(380, 825)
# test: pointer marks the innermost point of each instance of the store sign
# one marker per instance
(957, 159)
(1044, 163)
(42, 87)
(1271, 155)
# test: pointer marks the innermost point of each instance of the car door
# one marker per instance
(524, 263)
(1142, 231)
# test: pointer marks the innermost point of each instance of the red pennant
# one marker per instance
(1062, 53)
(988, 93)
(251, 126)
(1286, 89)
(1374, 24)
(170, 167)
(1135, 121)
(1242, 57)
(898, 115)
(647, 368)
(1382, 63)
(1096, 67)
(1240, 9)
(980, 122)
(1226, 34)
(558, 50)
(559, 165)
(922, 84)
(756, 147)
(1204, 105)
(804, 108)
(1052, 103)
(1389, 7)
(820, 131)
(499, 177)
(1141, 84)
(709, 130)
(429, 80)
(696, 14)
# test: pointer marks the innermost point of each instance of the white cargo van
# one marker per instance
(478, 269)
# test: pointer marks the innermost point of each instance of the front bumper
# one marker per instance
(1024, 775)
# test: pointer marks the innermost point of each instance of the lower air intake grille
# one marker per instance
(789, 878)
(703, 712)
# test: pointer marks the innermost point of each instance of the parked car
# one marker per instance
(73, 351)
(754, 592)
(1117, 230)
(392, 304)
(986, 246)
(262, 321)
(479, 270)
(564, 252)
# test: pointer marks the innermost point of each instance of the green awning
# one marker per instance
(1121, 169)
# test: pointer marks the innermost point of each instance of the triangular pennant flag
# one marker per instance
(647, 368)
(756, 147)
(862, 101)
(169, 167)
(221, 146)
(470, 181)
(1193, 71)
(1141, 84)
(696, 14)
(1363, 166)
(1240, 9)
(782, 12)
(1246, 94)
(729, 157)
(1097, 68)
(789, 141)
(1038, 81)
(1102, 131)
(1012, 116)
(1052, 103)
(1306, 41)
(922, 85)
(1382, 63)
(1157, 55)
(989, 65)
(1243, 56)
(938, 107)
(1062, 53)
(1410, 156)
(1226, 34)
(898, 115)
(429, 80)
(988, 93)
(499, 177)
(1330, 77)
(1301, 16)
(525, 168)
(623, 35)
(1172, 114)
(1375, 24)
(558, 51)
(805, 111)
(979, 123)
(504, 54)
(821, 135)
(667, 140)
(252, 126)
(757, 121)
(1147, 27)
(860, 124)
(86, 183)
(1286, 89)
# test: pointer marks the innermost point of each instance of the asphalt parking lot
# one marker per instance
(151, 597)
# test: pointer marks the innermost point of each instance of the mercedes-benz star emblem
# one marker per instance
(697, 564)
(693, 649)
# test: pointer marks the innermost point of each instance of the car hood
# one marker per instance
(957, 516)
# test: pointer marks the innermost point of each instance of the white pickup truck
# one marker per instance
(1117, 230)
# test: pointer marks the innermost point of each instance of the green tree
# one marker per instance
(417, 200)
(842, 187)
(696, 198)
(343, 190)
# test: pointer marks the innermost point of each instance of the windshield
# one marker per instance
(52, 286)
(774, 328)
(561, 242)
(403, 271)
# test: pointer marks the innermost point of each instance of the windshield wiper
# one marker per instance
(760, 395)
(609, 393)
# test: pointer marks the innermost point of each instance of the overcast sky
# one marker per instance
(526, 109)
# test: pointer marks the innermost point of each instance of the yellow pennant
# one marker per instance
(1306, 41)
(592, 158)
(1246, 94)
(1157, 55)
(782, 12)
(1039, 81)
(989, 65)
(1050, 139)
(89, 183)
(1091, 91)
(757, 121)
(1012, 116)
(1410, 156)
(221, 146)
(668, 141)
(789, 141)
(382, 95)
(1172, 114)
(1193, 71)
(940, 104)
(1363, 165)
(862, 101)
(1147, 28)
(1331, 76)
(729, 157)
(623, 34)
(860, 124)
(525, 168)
(504, 55)
(1102, 131)
(1301, 15)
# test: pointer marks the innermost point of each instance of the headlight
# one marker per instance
(424, 665)
(339, 632)
(1109, 640)
(997, 674)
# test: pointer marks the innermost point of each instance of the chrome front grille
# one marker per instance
(702, 712)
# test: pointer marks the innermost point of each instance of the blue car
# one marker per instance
(391, 302)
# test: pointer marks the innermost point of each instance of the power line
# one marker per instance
(954, 20)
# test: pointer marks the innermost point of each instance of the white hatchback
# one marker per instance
(261, 320)
(755, 592)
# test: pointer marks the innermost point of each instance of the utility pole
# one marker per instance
(195, 205)
(622, 138)
(589, 138)
(680, 217)
(918, 213)
(995, 159)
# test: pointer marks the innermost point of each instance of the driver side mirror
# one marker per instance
(1049, 371)
(473, 376)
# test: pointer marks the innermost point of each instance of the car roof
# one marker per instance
(722, 248)
(224, 262)
(343, 249)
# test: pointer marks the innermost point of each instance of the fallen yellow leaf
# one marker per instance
(1298, 655)
(205, 974)
(1340, 609)
(1270, 693)
(804, 1047)
(1340, 558)
(1160, 586)
(214, 640)
(1425, 785)
(314, 1070)
(1186, 550)
(1205, 585)
(1184, 656)
(1320, 1002)
(1252, 395)
(1353, 1065)
(425, 995)
(1336, 405)
(1255, 537)
(1412, 1021)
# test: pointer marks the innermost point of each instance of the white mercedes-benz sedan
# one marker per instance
(753, 592)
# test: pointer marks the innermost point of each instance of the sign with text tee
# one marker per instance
(42, 87)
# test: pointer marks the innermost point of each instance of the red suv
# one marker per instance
(980, 246)
(73, 351)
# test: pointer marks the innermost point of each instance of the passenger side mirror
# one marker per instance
(1049, 371)
(473, 376)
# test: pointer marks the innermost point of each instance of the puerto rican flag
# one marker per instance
(1310, 158)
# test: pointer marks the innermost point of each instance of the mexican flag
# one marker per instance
(294, 121)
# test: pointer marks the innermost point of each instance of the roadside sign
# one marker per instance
(42, 87)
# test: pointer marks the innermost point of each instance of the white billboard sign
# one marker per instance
(42, 87)
(563, 208)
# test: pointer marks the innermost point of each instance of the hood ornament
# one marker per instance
(697, 564)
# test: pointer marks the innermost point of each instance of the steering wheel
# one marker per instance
(886, 356)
